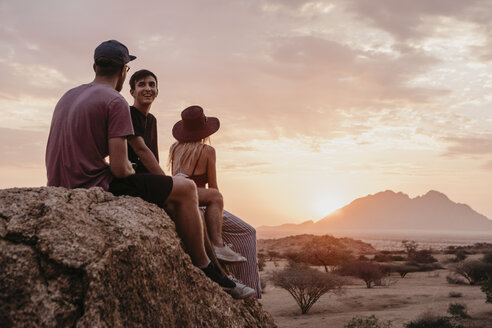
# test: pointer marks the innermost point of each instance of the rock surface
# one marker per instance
(84, 258)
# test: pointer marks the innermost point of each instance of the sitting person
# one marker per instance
(143, 149)
(192, 157)
(93, 121)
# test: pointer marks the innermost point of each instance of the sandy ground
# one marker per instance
(404, 300)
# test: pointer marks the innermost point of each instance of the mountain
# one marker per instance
(387, 212)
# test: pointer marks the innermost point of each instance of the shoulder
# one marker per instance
(151, 117)
(209, 151)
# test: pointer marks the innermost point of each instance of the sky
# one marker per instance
(320, 102)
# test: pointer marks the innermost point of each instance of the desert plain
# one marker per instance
(399, 300)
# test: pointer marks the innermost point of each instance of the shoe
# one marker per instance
(215, 275)
(226, 254)
(241, 291)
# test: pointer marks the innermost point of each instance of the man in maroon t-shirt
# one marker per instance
(93, 121)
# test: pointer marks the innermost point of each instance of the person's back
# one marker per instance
(197, 166)
(83, 120)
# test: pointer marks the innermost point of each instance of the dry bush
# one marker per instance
(487, 257)
(306, 285)
(455, 294)
(367, 322)
(263, 284)
(474, 271)
(422, 256)
(430, 320)
(487, 289)
(261, 261)
(458, 310)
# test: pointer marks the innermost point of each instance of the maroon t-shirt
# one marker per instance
(83, 121)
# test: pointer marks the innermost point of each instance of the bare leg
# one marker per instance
(184, 199)
(211, 252)
(212, 199)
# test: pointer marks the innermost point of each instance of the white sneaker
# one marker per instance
(241, 291)
(226, 254)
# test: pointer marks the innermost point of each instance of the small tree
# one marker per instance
(368, 271)
(306, 285)
(410, 246)
(325, 251)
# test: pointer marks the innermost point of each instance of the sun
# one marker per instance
(324, 205)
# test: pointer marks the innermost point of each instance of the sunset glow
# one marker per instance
(326, 204)
(320, 102)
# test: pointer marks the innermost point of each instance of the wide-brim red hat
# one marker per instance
(194, 125)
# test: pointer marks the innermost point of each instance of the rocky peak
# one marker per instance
(85, 258)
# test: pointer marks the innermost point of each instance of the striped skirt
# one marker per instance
(242, 239)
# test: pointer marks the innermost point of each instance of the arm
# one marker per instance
(211, 169)
(119, 164)
(145, 154)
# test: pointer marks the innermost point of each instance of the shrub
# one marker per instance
(273, 255)
(487, 289)
(428, 320)
(261, 261)
(458, 310)
(263, 284)
(367, 322)
(487, 257)
(306, 285)
(381, 258)
(460, 255)
(455, 294)
(474, 271)
(422, 256)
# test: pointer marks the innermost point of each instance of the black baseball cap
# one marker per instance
(114, 50)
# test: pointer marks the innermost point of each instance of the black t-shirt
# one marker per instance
(145, 127)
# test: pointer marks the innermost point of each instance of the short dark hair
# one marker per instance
(138, 75)
(107, 67)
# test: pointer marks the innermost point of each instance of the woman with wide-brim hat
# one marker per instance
(193, 156)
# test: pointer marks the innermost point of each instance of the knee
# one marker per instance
(218, 199)
(187, 190)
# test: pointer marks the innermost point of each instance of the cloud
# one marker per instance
(481, 145)
(408, 19)
(267, 75)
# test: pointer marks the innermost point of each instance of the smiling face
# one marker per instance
(145, 92)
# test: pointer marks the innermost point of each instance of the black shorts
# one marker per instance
(150, 187)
